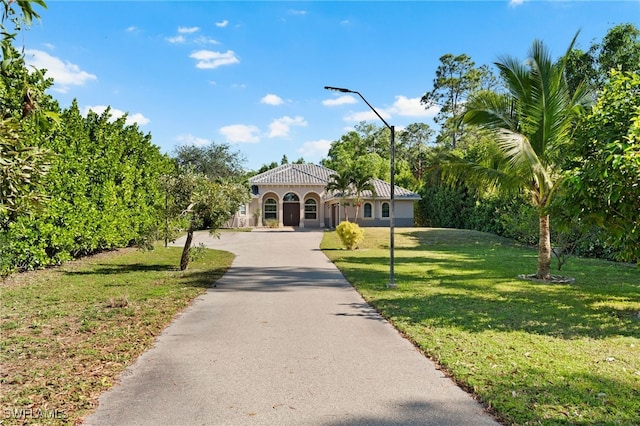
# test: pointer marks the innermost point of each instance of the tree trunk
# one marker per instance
(544, 250)
(184, 260)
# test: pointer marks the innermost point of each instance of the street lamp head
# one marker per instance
(339, 89)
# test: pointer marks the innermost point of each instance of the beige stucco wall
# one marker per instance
(304, 192)
(403, 208)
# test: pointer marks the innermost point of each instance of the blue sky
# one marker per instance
(251, 74)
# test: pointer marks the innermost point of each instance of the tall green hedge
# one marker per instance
(102, 191)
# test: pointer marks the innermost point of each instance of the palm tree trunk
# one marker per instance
(544, 249)
(184, 259)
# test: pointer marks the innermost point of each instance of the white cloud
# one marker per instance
(50, 46)
(412, 107)
(345, 22)
(271, 99)
(222, 24)
(315, 149)
(240, 133)
(281, 127)
(205, 40)
(136, 118)
(131, 29)
(341, 100)
(297, 12)
(177, 39)
(64, 73)
(189, 139)
(366, 116)
(208, 59)
(188, 30)
(515, 3)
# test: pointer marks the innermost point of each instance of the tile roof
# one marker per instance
(383, 190)
(295, 174)
(311, 174)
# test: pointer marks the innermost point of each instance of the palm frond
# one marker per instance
(488, 175)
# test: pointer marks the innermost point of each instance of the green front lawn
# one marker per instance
(68, 332)
(534, 353)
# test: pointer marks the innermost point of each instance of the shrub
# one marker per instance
(350, 234)
(271, 223)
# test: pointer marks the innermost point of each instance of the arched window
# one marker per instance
(310, 209)
(385, 209)
(270, 209)
(290, 196)
(368, 211)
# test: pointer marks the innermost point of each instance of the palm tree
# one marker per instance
(340, 183)
(530, 124)
(360, 182)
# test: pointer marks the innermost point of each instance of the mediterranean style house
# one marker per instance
(296, 195)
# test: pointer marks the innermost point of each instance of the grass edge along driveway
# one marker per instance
(68, 332)
(534, 353)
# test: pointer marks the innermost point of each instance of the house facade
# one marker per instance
(296, 195)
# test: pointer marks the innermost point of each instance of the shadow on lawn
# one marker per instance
(123, 268)
(476, 289)
(191, 277)
(549, 399)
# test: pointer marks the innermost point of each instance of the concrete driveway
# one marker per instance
(283, 339)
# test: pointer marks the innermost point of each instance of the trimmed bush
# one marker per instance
(350, 234)
(272, 223)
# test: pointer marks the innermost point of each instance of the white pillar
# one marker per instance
(301, 211)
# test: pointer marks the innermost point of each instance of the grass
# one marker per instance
(68, 332)
(533, 353)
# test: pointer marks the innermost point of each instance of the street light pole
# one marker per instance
(392, 212)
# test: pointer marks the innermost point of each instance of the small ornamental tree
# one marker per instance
(200, 200)
(350, 234)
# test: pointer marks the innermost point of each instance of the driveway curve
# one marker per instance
(283, 339)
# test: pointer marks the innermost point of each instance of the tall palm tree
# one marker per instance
(531, 124)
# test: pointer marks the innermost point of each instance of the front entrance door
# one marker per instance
(291, 214)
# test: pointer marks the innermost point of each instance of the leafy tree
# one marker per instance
(532, 126)
(456, 78)
(216, 161)
(413, 147)
(619, 50)
(22, 170)
(284, 160)
(365, 139)
(17, 20)
(266, 167)
(23, 164)
(605, 180)
(198, 199)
